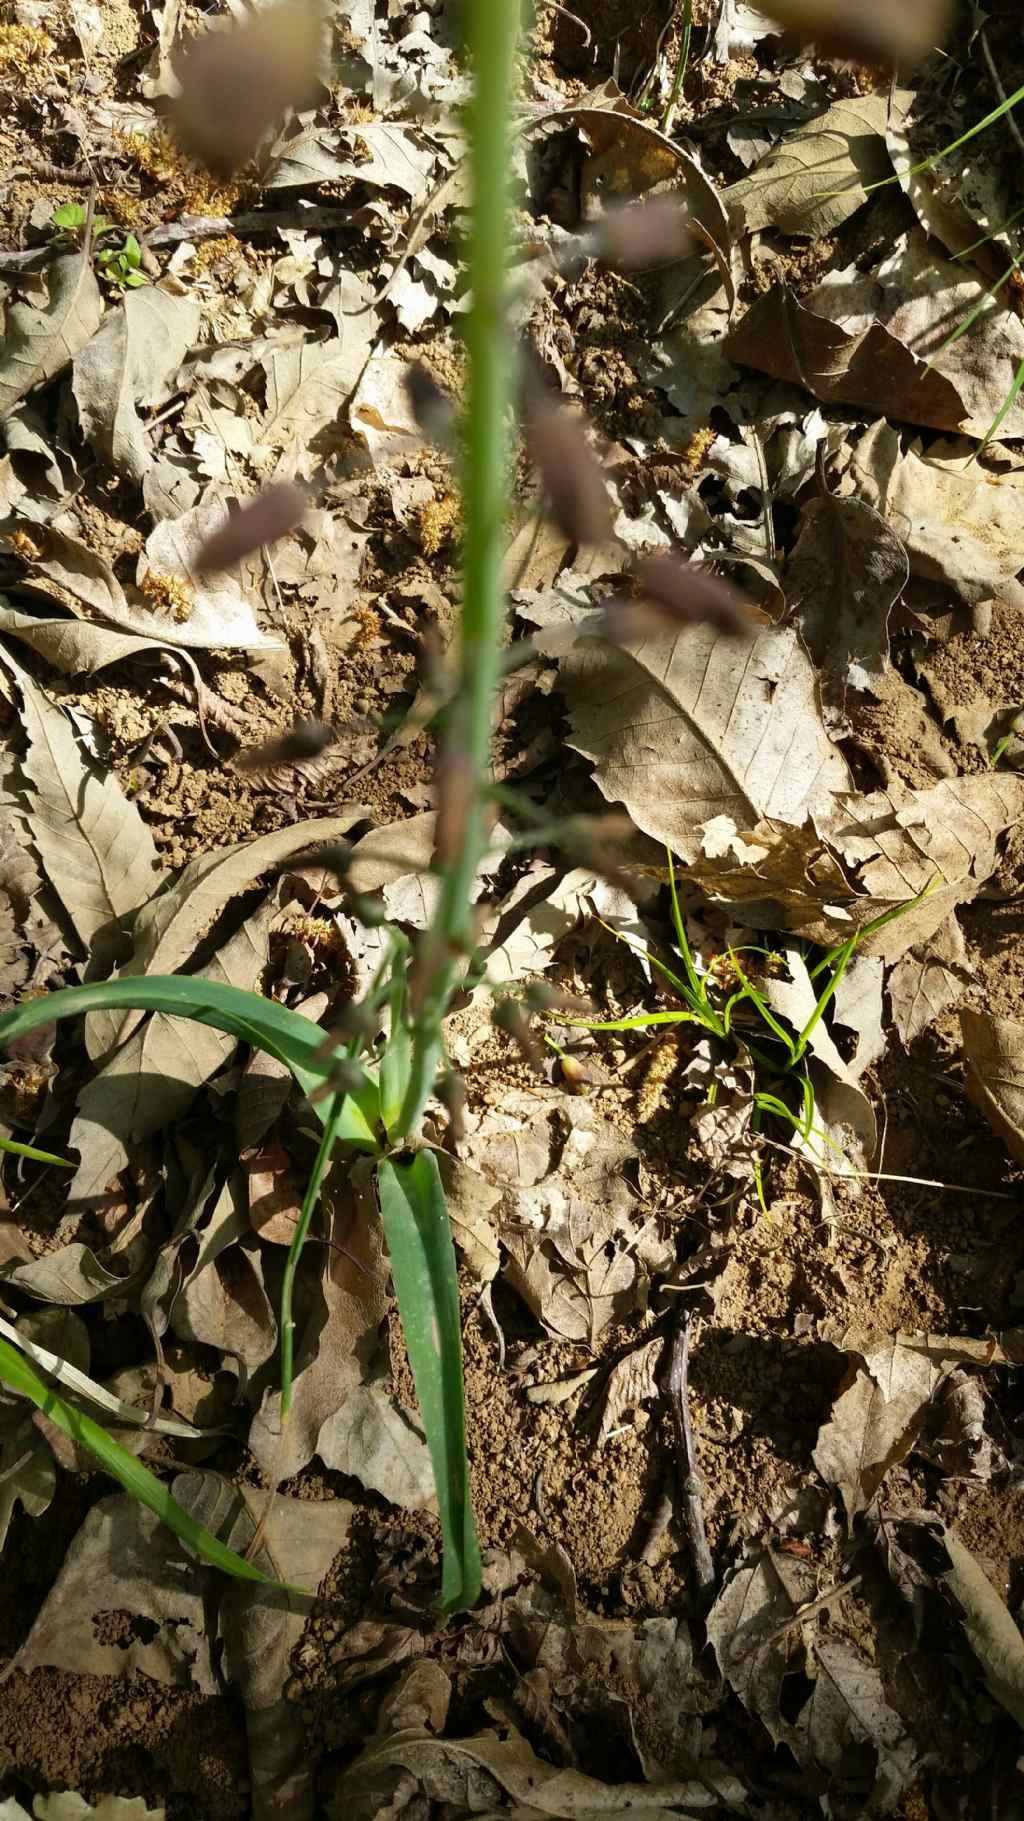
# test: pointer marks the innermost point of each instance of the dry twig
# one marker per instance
(690, 1483)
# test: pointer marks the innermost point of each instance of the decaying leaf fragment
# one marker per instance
(817, 177)
(131, 362)
(994, 1072)
(39, 343)
(844, 576)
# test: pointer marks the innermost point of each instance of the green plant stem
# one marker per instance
(320, 1168)
(682, 65)
(492, 30)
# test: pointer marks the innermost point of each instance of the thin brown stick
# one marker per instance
(690, 1483)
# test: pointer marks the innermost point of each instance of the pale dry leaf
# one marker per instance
(746, 1629)
(346, 1308)
(214, 610)
(381, 413)
(857, 1005)
(841, 1106)
(380, 1444)
(901, 841)
(918, 296)
(817, 176)
(687, 727)
(880, 1412)
(928, 980)
(74, 647)
(458, 1774)
(28, 1474)
(152, 1079)
(71, 1274)
(578, 1276)
(67, 1806)
(870, 368)
(847, 1707)
(631, 158)
(86, 576)
(171, 925)
(631, 1382)
(957, 1441)
(97, 851)
(472, 1204)
(994, 1073)
(308, 386)
(962, 522)
(128, 364)
(123, 1560)
(395, 157)
(38, 344)
(990, 1631)
(222, 1302)
(846, 573)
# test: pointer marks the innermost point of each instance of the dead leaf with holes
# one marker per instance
(687, 727)
(759, 1642)
(128, 364)
(844, 577)
(817, 176)
(994, 1073)
(39, 343)
(929, 979)
(961, 521)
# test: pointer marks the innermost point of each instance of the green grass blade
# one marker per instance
(697, 987)
(876, 923)
(293, 1039)
(20, 1375)
(825, 997)
(321, 1165)
(1004, 410)
(641, 949)
(423, 1266)
(640, 1023)
(396, 1062)
(36, 1156)
(764, 1010)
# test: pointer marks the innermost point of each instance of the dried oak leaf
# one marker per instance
(994, 1073)
(817, 176)
(131, 362)
(39, 343)
(846, 573)
(687, 727)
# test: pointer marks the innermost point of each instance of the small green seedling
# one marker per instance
(731, 1008)
(119, 265)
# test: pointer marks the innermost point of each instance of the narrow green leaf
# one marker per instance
(423, 1266)
(293, 1039)
(332, 1123)
(35, 1156)
(639, 1023)
(19, 1373)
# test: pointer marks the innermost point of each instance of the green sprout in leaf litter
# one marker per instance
(120, 266)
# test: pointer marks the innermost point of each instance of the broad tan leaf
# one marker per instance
(990, 1631)
(67, 1806)
(129, 363)
(39, 343)
(847, 571)
(746, 1629)
(848, 1709)
(383, 153)
(309, 385)
(346, 1308)
(124, 1560)
(171, 925)
(473, 1204)
(868, 367)
(97, 851)
(75, 647)
(962, 523)
(151, 1080)
(901, 841)
(382, 1445)
(994, 1072)
(928, 980)
(874, 1424)
(87, 577)
(689, 727)
(215, 610)
(223, 1302)
(69, 1275)
(816, 177)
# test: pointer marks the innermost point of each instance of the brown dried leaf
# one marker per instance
(744, 1626)
(223, 1303)
(124, 1560)
(990, 1631)
(74, 647)
(97, 851)
(346, 1308)
(309, 385)
(962, 523)
(129, 363)
(152, 1078)
(382, 1445)
(39, 343)
(928, 980)
(994, 1073)
(213, 612)
(631, 1382)
(817, 176)
(687, 727)
(870, 368)
(846, 573)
